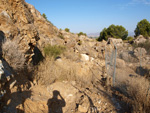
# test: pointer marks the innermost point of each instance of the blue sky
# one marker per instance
(91, 16)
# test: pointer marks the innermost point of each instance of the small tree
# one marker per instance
(143, 28)
(103, 35)
(67, 30)
(113, 31)
(44, 15)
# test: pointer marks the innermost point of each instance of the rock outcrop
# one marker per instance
(21, 21)
(139, 39)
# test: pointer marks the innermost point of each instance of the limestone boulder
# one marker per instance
(139, 39)
(120, 63)
(117, 42)
(140, 52)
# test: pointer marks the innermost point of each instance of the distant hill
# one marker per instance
(131, 34)
(94, 35)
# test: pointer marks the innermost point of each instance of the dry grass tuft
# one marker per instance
(138, 91)
(50, 71)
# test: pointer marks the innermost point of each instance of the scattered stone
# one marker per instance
(85, 57)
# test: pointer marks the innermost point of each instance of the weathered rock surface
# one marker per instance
(139, 39)
(140, 52)
(21, 21)
(116, 42)
(120, 63)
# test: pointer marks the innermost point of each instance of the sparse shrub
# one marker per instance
(53, 51)
(50, 71)
(138, 91)
(130, 38)
(134, 92)
(72, 55)
(13, 55)
(44, 16)
(67, 30)
(81, 33)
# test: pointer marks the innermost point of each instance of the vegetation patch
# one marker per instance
(53, 51)
(81, 33)
(143, 28)
(114, 31)
(67, 30)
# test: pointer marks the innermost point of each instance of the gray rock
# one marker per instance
(120, 63)
(139, 39)
(117, 42)
(140, 52)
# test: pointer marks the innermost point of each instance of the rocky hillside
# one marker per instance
(21, 21)
(71, 77)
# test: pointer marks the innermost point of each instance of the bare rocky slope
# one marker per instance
(75, 82)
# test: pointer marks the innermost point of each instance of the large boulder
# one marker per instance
(116, 42)
(139, 39)
(120, 63)
(140, 52)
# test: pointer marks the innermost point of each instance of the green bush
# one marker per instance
(67, 30)
(143, 28)
(44, 15)
(130, 38)
(81, 33)
(113, 31)
(53, 51)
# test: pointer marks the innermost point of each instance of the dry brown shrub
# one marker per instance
(72, 55)
(138, 91)
(13, 55)
(50, 71)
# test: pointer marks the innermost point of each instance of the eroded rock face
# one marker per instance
(140, 52)
(22, 22)
(116, 42)
(139, 39)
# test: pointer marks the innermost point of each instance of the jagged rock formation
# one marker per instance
(21, 21)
